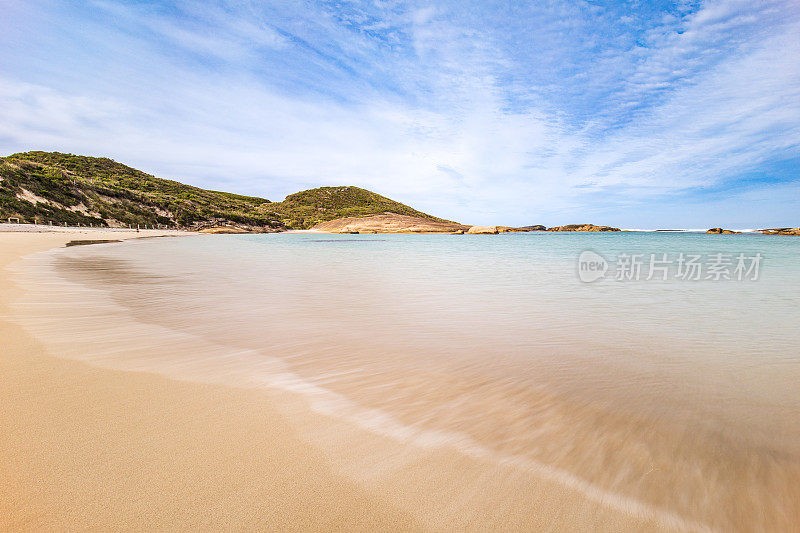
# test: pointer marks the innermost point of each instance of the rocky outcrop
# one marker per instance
(537, 227)
(781, 231)
(492, 230)
(583, 227)
(511, 229)
(388, 223)
(721, 231)
(483, 230)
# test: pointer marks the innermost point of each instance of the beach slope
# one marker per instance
(89, 448)
(83, 448)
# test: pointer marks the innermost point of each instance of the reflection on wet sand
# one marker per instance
(616, 416)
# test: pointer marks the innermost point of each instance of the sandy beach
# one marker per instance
(86, 448)
(400, 266)
(83, 447)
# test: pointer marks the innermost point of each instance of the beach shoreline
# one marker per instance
(90, 448)
(85, 447)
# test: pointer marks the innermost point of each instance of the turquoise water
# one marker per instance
(681, 394)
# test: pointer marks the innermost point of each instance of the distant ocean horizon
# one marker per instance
(692, 230)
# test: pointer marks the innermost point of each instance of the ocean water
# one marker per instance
(671, 397)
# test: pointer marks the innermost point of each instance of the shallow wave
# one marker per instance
(647, 424)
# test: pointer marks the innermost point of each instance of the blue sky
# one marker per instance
(635, 114)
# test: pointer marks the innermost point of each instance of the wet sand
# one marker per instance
(86, 447)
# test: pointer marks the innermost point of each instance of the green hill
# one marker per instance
(307, 208)
(52, 187)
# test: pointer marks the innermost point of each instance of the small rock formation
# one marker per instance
(483, 230)
(388, 223)
(720, 231)
(781, 231)
(583, 227)
(537, 227)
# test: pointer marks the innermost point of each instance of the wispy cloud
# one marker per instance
(506, 113)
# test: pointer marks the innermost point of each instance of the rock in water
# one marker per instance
(583, 227)
(720, 231)
(483, 230)
(781, 231)
(536, 227)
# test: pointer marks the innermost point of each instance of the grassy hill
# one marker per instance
(65, 188)
(307, 208)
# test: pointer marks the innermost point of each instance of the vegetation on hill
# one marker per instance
(308, 208)
(57, 188)
(65, 188)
